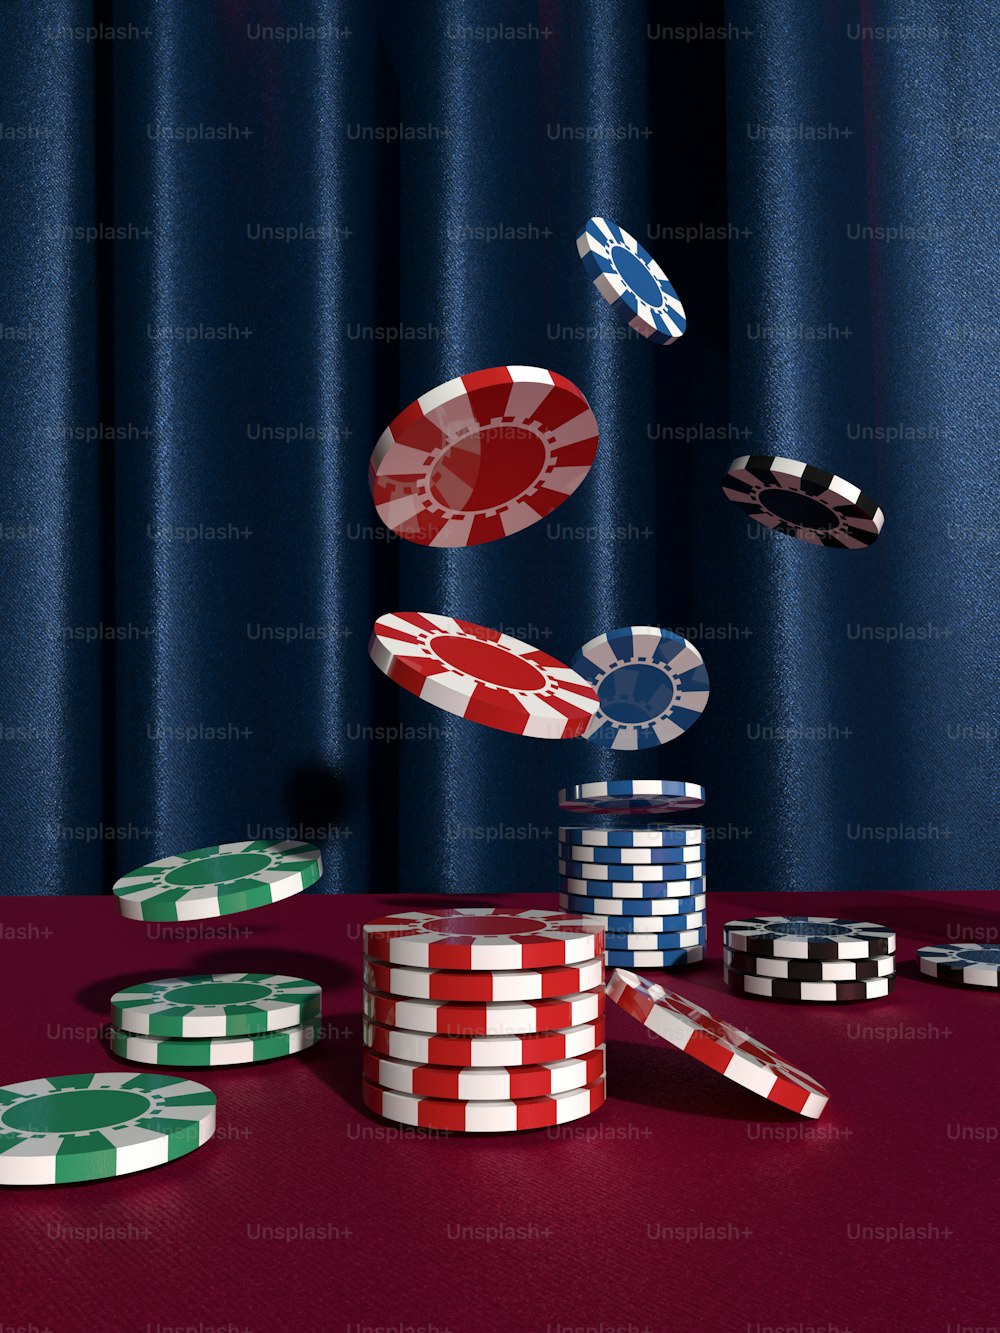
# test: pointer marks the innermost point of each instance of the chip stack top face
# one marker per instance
(483, 938)
(824, 938)
(962, 964)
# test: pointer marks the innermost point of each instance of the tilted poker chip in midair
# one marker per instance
(660, 872)
(651, 796)
(483, 1117)
(535, 1048)
(482, 675)
(452, 1018)
(670, 836)
(823, 937)
(483, 987)
(202, 1053)
(961, 964)
(808, 969)
(651, 683)
(57, 1131)
(830, 992)
(464, 939)
(476, 1085)
(718, 1044)
(217, 1004)
(631, 281)
(802, 501)
(482, 457)
(630, 856)
(616, 908)
(662, 958)
(216, 881)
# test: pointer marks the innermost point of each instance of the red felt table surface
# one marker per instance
(686, 1203)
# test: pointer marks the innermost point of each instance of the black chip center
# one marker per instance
(802, 511)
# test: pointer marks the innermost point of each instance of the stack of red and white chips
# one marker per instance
(483, 1020)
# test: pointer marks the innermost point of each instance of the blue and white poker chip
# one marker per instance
(650, 874)
(651, 683)
(629, 856)
(592, 904)
(652, 796)
(631, 281)
(671, 939)
(962, 964)
(660, 889)
(646, 958)
(670, 835)
(635, 927)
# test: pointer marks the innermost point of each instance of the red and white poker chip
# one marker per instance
(484, 1020)
(494, 1117)
(482, 457)
(414, 983)
(476, 939)
(478, 1085)
(482, 675)
(424, 1048)
(718, 1044)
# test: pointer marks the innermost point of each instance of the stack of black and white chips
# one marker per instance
(809, 958)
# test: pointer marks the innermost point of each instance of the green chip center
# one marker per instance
(218, 992)
(81, 1109)
(219, 869)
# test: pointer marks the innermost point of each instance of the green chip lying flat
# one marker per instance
(56, 1131)
(196, 1054)
(215, 1004)
(216, 881)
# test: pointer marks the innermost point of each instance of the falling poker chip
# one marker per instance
(58, 1131)
(962, 964)
(652, 796)
(218, 1004)
(216, 881)
(651, 683)
(483, 456)
(718, 1044)
(631, 281)
(482, 675)
(802, 501)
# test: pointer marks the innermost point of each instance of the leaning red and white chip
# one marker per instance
(720, 1045)
(483, 939)
(476, 1085)
(544, 983)
(482, 456)
(482, 675)
(493, 1117)
(484, 1020)
(534, 1048)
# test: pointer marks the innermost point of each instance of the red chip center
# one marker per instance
(484, 925)
(487, 662)
(487, 469)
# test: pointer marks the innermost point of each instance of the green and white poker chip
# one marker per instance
(216, 881)
(57, 1131)
(215, 1004)
(201, 1054)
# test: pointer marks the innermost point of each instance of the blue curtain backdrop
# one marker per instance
(239, 237)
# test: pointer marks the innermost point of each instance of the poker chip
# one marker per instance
(473, 1085)
(718, 1044)
(482, 457)
(804, 969)
(670, 835)
(632, 874)
(637, 796)
(672, 907)
(423, 1048)
(802, 501)
(485, 987)
(454, 1019)
(961, 964)
(652, 943)
(218, 1004)
(630, 856)
(649, 890)
(653, 926)
(483, 939)
(822, 937)
(204, 1052)
(58, 1131)
(482, 675)
(833, 992)
(652, 686)
(491, 1117)
(658, 958)
(631, 281)
(217, 881)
